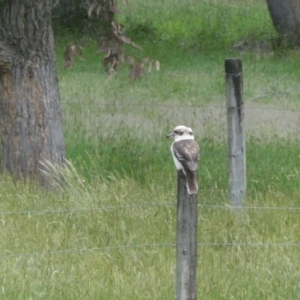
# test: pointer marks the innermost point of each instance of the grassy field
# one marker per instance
(108, 232)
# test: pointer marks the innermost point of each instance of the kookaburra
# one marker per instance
(186, 155)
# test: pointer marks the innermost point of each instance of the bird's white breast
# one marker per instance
(178, 164)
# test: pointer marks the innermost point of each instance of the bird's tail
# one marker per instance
(191, 182)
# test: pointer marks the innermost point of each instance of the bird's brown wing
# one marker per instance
(188, 153)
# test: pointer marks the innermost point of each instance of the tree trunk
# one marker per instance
(30, 115)
(285, 15)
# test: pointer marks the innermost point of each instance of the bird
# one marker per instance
(186, 155)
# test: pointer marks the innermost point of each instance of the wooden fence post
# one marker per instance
(186, 243)
(236, 137)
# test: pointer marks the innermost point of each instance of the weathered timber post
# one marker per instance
(236, 136)
(186, 245)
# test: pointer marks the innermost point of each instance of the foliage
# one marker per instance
(103, 9)
(204, 25)
(85, 17)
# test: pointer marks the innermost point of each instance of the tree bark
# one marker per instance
(285, 15)
(30, 115)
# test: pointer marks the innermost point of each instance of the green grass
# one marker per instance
(71, 254)
(60, 245)
(209, 25)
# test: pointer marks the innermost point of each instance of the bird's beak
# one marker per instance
(170, 135)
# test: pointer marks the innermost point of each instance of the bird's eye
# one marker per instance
(178, 132)
(191, 133)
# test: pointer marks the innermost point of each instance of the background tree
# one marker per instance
(286, 19)
(30, 114)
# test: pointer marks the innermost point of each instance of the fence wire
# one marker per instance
(132, 246)
(136, 206)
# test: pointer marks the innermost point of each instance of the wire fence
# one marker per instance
(97, 107)
(150, 117)
(9, 255)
